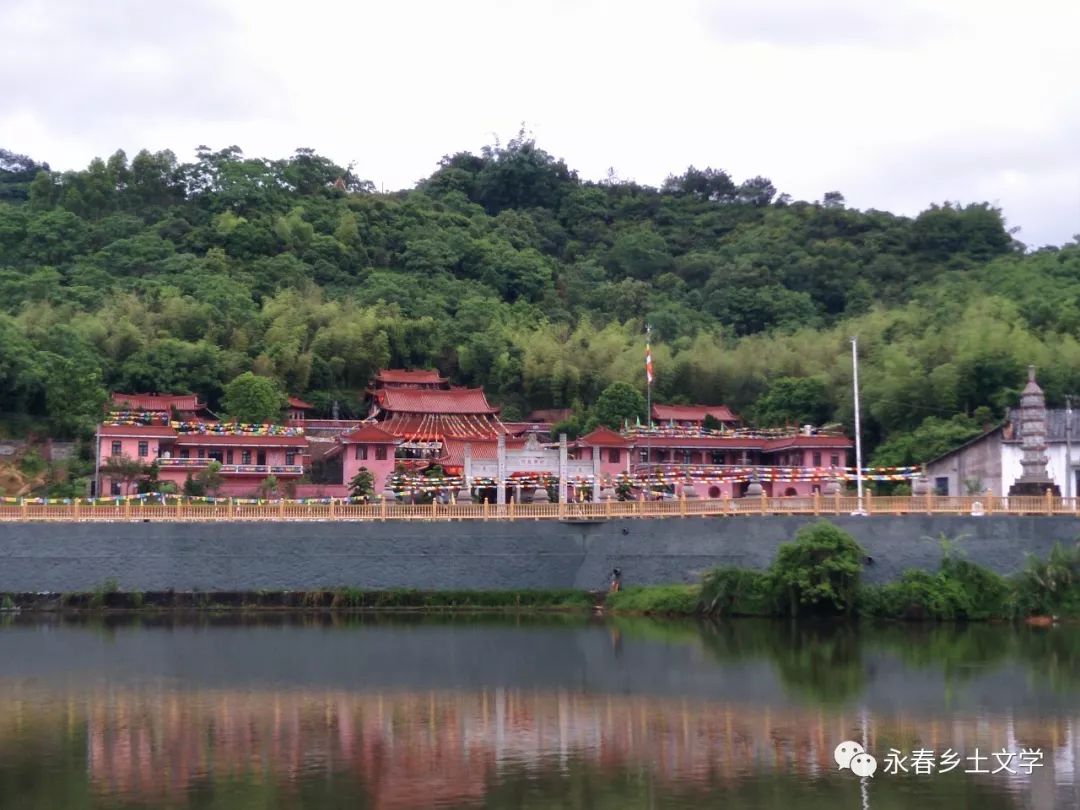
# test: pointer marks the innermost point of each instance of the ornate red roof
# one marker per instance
(432, 401)
(604, 437)
(157, 402)
(435, 427)
(368, 434)
(487, 450)
(299, 404)
(407, 377)
(692, 413)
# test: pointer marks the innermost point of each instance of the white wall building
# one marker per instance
(991, 462)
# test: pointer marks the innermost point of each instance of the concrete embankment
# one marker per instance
(233, 556)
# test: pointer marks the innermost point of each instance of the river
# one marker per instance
(288, 711)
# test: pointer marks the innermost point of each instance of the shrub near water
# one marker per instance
(1050, 587)
(738, 591)
(818, 572)
(669, 599)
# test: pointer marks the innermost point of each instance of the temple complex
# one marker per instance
(417, 423)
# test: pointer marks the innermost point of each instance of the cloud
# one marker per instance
(799, 24)
(104, 67)
(897, 106)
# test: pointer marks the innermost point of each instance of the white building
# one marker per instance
(991, 462)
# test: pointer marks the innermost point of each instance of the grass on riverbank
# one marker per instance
(675, 600)
(111, 597)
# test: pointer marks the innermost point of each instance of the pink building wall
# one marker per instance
(380, 468)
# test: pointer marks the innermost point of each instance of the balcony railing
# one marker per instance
(241, 469)
(156, 507)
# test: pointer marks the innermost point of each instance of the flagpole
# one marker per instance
(858, 426)
(648, 375)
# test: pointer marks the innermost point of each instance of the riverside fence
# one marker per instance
(157, 508)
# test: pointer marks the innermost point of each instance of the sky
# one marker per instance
(896, 105)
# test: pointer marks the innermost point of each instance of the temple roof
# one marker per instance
(482, 450)
(435, 427)
(299, 404)
(432, 401)
(409, 376)
(1056, 420)
(158, 402)
(603, 437)
(692, 413)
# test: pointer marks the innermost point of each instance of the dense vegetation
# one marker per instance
(819, 572)
(505, 270)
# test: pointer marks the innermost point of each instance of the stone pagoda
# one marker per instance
(1034, 479)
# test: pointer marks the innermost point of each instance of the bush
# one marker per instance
(819, 572)
(665, 599)
(32, 464)
(1050, 587)
(959, 590)
(738, 592)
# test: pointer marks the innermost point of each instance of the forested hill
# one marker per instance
(505, 270)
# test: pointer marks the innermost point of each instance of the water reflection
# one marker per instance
(80, 737)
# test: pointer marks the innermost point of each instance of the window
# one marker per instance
(717, 458)
(144, 449)
(228, 456)
(202, 452)
(613, 455)
(687, 457)
(834, 461)
(290, 457)
(941, 485)
(380, 453)
(643, 456)
(215, 455)
(361, 452)
(116, 488)
(117, 448)
(817, 459)
(245, 456)
(185, 453)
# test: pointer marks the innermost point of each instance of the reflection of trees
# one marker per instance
(820, 661)
(824, 662)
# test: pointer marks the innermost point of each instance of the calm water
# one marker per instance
(401, 712)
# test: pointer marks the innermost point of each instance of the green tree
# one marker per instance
(932, 438)
(250, 398)
(362, 485)
(125, 469)
(819, 571)
(268, 487)
(618, 403)
(210, 479)
(794, 401)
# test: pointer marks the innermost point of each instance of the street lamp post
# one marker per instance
(1068, 447)
(858, 426)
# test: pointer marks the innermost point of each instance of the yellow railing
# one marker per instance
(323, 510)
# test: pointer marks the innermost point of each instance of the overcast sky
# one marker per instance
(896, 105)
